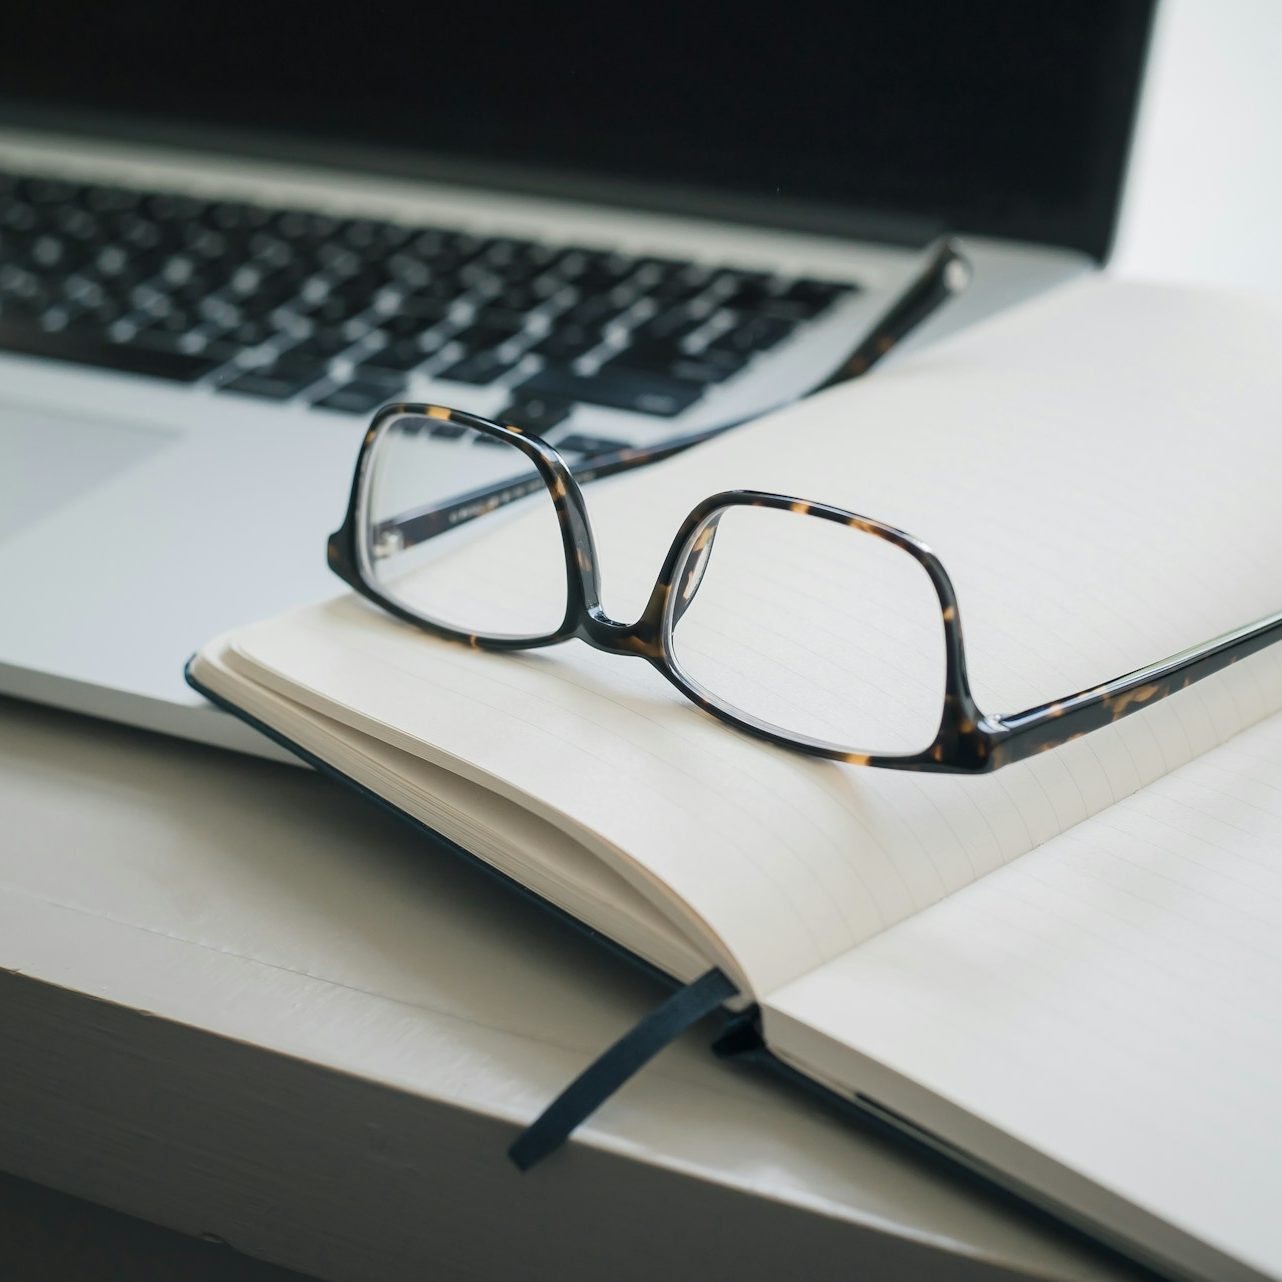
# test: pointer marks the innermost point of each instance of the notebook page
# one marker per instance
(1110, 1001)
(505, 835)
(974, 445)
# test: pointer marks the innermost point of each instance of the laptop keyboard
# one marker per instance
(339, 312)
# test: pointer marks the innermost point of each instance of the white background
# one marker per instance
(1204, 200)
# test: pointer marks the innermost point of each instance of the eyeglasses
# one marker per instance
(810, 626)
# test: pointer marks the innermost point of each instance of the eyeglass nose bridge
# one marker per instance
(641, 639)
(646, 638)
(681, 573)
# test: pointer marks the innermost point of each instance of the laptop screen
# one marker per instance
(996, 116)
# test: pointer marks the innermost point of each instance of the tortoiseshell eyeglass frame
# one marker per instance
(968, 740)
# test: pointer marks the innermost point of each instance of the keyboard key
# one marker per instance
(47, 190)
(103, 199)
(671, 326)
(598, 311)
(328, 310)
(406, 322)
(578, 444)
(660, 268)
(440, 288)
(322, 344)
(159, 340)
(169, 206)
(302, 366)
(103, 312)
(678, 365)
(636, 390)
(787, 310)
(360, 233)
(743, 291)
(173, 321)
(359, 397)
(568, 342)
(816, 296)
(399, 356)
(304, 227)
(110, 261)
(478, 369)
(77, 224)
(232, 215)
(480, 338)
(679, 287)
(180, 367)
(537, 414)
(47, 252)
(502, 250)
(525, 298)
(498, 316)
(598, 272)
(655, 354)
(757, 334)
(520, 273)
(707, 368)
(723, 358)
(267, 384)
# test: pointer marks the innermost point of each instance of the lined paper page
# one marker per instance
(1066, 490)
(1112, 1000)
(505, 835)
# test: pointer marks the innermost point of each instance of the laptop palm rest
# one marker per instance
(48, 460)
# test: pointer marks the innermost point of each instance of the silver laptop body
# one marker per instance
(175, 447)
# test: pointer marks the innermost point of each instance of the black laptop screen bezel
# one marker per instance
(1091, 56)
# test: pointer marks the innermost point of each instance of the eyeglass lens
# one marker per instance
(818, 629)
(512, 583)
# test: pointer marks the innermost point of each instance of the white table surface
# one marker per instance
(239, 1001)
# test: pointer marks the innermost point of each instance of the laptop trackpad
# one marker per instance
(48, 459)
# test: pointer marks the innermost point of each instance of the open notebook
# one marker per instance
(1064, 973)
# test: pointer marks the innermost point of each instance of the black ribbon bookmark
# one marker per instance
(606, 1074)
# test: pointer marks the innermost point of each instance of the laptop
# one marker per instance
(228, 235)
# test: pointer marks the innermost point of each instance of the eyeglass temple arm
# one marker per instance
(946, 272)
(420, 524)
(1051, 724)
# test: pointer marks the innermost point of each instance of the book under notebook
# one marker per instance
(1098, 472)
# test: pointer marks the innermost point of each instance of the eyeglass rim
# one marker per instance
(958, 714)
(968, 740)
(349, 556)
